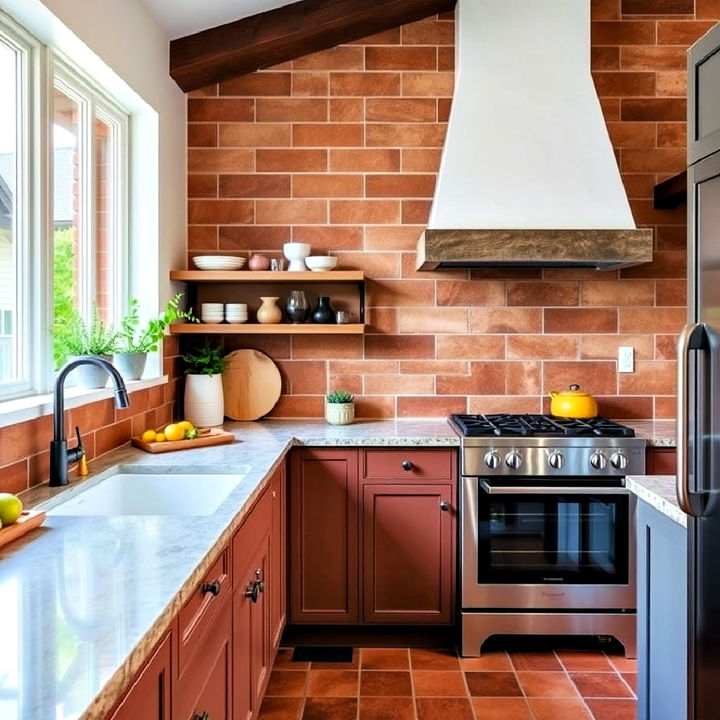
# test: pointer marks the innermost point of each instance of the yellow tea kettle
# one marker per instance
(573, 403)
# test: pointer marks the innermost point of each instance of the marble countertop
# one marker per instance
(658, 491)
(84, 599)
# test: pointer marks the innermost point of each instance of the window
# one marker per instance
(63, 207)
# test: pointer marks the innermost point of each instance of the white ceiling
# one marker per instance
(184, 17)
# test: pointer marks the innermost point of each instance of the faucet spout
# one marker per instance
(60, 456)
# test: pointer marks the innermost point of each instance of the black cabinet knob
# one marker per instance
(406, 465)
(211, 587)
(201, 716)
(444, 506)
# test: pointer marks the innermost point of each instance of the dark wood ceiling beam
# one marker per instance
(285, 33)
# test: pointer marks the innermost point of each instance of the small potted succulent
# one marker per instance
(204, 405)
(133, 342)
(74, 337)
(339, 408)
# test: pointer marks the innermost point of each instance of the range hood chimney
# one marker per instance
(528, 176)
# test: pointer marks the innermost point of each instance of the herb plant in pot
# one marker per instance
(134, 341)
(339, 408)
(74, 337)
(204, 366)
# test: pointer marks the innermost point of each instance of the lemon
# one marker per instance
(160, 437)
(149, 436)
(186, 425)
(10, 508)
(174, 432)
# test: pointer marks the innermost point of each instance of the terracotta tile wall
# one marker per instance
(24, 453)
(340, 149)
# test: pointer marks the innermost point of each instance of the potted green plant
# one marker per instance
(134, 341)
(74, 337)
(339, 408)
(204, 366)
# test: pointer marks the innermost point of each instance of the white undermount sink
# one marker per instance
(175, 494)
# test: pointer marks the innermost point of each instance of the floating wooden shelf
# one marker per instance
(264, 276)
(258, 329)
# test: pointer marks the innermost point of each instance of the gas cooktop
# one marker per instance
(536, 426)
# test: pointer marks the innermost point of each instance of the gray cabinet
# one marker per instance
(662, 616)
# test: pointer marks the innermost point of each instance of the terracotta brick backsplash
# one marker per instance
(341, 149)
(24, 447)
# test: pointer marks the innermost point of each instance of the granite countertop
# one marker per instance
(657, 433)
(658, 491)
(84, 599)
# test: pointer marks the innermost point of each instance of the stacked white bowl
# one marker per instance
(211, 312)
(236, 312)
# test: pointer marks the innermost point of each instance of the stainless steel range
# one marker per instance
(548, 528)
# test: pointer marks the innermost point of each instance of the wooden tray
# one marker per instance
(204, 439)
(29, 520)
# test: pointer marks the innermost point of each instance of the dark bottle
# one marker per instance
(324, 314)
(297, 307)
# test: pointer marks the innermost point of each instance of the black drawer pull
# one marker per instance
(444, 505)
(211, 587)
(406, 465)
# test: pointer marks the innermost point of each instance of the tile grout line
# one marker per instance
(520, 685)
(590, 713)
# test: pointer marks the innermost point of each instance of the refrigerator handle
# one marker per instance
(691, 338)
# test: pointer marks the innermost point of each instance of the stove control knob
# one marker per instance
(513, 460)
(619, 461)
(556, 460)
(598, 461)
(492, 459)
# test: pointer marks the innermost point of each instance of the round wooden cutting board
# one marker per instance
(251, 385)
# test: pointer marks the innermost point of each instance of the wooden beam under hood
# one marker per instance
(285, 33)
(600, 249)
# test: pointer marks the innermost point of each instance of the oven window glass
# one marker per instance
(572, 539)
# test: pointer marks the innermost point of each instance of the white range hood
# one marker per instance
(528, 174)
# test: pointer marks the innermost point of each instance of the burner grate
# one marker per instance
(537, 425)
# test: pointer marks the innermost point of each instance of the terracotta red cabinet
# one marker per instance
(324, 536)
(278, 565)
(149, 696)
(661, 461)
(408, 552)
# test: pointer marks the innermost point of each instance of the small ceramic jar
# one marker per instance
(259, 262)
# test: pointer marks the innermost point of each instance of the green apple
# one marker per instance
(10, 508)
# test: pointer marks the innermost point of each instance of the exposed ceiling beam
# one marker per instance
(285, 33)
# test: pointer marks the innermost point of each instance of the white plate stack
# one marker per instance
(236, 312)
(211, 312)
(218, 262)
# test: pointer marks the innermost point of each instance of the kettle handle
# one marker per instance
(553, 394)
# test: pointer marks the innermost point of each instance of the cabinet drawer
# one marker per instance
(409, 463)
(201, 609)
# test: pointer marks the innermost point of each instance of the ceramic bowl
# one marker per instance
(296, 254)
(319, 263)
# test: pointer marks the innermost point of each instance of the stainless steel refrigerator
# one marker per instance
(699, 381)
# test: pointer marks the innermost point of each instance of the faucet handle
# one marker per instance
(74, 454)
(80, 447)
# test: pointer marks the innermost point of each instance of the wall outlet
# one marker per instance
(626, 359)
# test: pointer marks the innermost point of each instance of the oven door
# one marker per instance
(547, 544)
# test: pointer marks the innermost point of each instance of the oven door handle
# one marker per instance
(551, 490)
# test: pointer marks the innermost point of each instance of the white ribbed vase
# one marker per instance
(204, 405)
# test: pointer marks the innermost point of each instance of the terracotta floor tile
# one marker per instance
(395, 708)
(594, 685)
(547, 684)
(281, 708)
(439, 683)
(494, 684)
(612, 709)
(352, 665)
(487, 661)
(385, 659)
(577, 660)
(493, 708)
(427, 659)
(333, 683)
(444, 709)
(541, 660)
(283, 661)
(559, 709)
(385, 682)
(330, 709)
(623, 664)
(631, 680)
(286, 683)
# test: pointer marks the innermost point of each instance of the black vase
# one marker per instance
(297, 307)
(323, 314)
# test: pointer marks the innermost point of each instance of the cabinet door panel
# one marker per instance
(661, 461)
(324, 536)
(276, 589)
(408, 553)
(149, 696)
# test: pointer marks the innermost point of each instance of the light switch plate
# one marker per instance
(626, 359)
